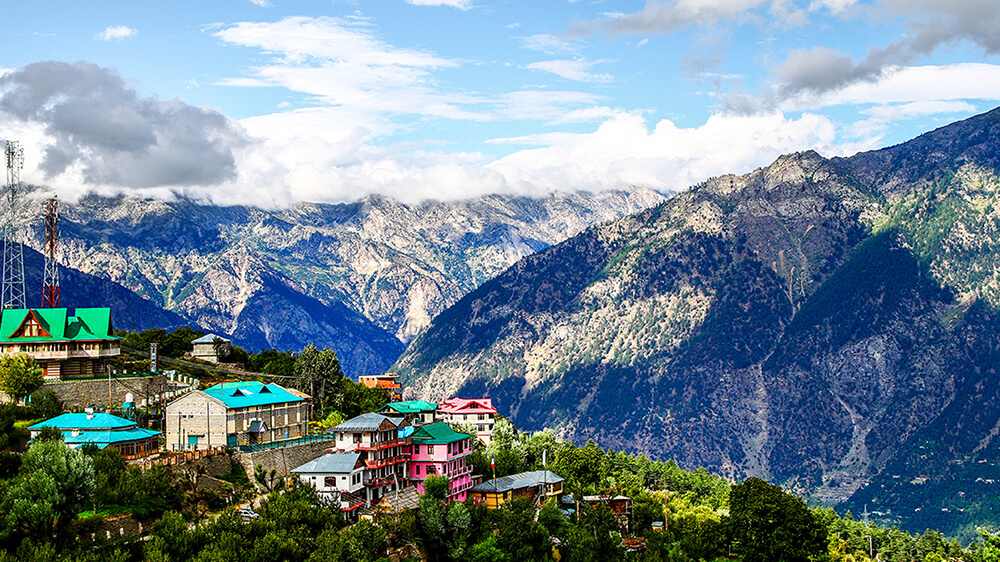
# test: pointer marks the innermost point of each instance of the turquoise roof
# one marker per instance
(104, 438)
(87, 324)
(250, 393)
(411, 406)
(81, 421)
(437, 434)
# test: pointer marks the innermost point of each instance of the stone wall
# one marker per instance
(284, 459)
(84, 393)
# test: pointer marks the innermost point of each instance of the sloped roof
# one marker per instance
(367, 422)
(408, 498)
(410, 406)
(468, 406)
(80, 421)
(210, 338)
(250, 393)
(105, 438)
(87, 324)
(330, 463)
(518, 481)
(437, 434)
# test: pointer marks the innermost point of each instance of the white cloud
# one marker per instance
(550, 44)
(262, 3)
(575, 69)
(116, 33)
(460, 4)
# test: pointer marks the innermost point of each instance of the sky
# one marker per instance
(272, 102)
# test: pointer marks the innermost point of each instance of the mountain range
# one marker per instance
(361, 278)
(830, 324)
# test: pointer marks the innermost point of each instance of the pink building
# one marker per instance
(440, 450)
(477, 411)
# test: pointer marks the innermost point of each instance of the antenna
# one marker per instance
(12, 293)
(50, 284)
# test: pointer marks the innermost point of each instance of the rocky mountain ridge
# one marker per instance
(362, 278)
(806, 322)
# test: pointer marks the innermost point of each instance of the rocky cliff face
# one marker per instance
(362, 278)
(805, 322)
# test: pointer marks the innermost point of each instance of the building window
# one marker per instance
(330, 481)
(430, 449)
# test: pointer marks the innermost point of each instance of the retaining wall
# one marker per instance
(284, 459)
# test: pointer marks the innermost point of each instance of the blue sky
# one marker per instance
(272, 102)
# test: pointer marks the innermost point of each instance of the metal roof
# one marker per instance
(518, 481)
(250, 393)
(437, 434)
(210, 338)
(411, 406)
(366, 422)
(330, 463)
(81, 421)
(105, 438)
(87, 324)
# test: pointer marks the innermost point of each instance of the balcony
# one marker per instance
(379, 463)
(376, 481)
(379, 445)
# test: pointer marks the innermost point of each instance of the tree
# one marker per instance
(20, 375)
(318, 373)
(46, 404)
(768, 525)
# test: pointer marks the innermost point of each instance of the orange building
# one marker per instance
(386, 381)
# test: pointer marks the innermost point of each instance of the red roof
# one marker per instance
(471, 406)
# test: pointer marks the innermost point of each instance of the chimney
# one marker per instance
(90, 413)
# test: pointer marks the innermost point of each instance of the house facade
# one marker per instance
(439, 450)
(338, 477)
(538, 485)
(387, 381)
(211, 348)
(478, 411)
(236, 414)
(385, 454)
(67, 346)
(102, 430)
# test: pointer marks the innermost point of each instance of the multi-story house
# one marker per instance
(538, 485)
(439, 450)
(417, 412)
(66, 346)
(236, 414)
(479, 412)
(338, 477)
(387, 381)
(385, 454)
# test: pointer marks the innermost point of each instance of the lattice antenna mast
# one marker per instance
(50, 284)
(12, 293)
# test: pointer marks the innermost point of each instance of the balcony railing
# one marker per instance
(376, 481)
(379, 445)
(379, 463)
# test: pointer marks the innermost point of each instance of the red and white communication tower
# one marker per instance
(50, 282)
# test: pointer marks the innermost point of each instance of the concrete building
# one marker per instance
(479, 412)
(384, 452)
(211, 348)
(102, 430)
(387, 381)
(236, 414)
(338, 477)
(67, 346)
(439, 450)
(538, 485)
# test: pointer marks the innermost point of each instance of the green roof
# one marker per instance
(411, 406)
(437, 434)
(250, 393)
(87, 324)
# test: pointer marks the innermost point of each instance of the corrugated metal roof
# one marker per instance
(366, 422)
(518, 481)
(210, 338)
(88, 324)
(330, 463)
(80, 421)
(105, 438)
(250, 393)
(437, 434)
(411, 406)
